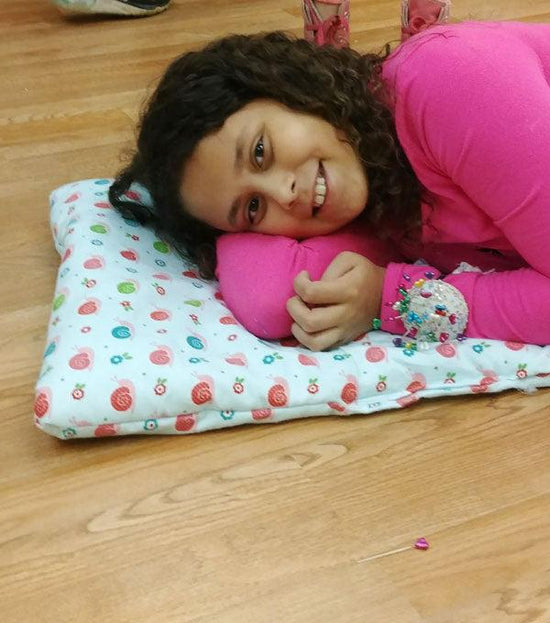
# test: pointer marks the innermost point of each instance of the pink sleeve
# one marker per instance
(256, 272)
(482, 118)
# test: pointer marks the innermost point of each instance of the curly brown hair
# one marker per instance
(201, 89)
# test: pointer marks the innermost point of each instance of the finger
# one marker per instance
(321, 292)
(302, 282)
(340, 265)
(297, 309)
(323, 340)
(316, 319)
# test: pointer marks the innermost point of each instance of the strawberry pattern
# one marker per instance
(138, 343)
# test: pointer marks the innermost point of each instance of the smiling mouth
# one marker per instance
(319, 190)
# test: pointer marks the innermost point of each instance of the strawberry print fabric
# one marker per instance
(139, 344)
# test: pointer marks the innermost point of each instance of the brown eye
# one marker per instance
(253, 209)
(259, 152)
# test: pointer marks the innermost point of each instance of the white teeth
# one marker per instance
(320, 191)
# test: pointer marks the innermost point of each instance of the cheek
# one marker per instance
(357, 183)
(301, 134)
(276, 222)
(360, 188)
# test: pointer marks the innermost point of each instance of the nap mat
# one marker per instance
(138, 344)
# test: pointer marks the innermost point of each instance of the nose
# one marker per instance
(288, 194)
(281, 188)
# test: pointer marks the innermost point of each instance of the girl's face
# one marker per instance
(272, 170)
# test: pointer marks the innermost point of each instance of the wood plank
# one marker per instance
(260, 523)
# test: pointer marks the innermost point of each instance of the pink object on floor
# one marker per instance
(330, 31)
(417, 15)
(422, 544)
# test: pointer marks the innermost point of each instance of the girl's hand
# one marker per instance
(338, 307)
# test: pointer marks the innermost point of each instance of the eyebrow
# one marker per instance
(237, 166)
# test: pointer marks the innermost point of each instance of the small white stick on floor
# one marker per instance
(384, 554)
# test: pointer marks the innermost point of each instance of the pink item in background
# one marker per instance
(417, 15)
(332, 30)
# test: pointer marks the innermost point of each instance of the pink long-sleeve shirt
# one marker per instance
(472, 112)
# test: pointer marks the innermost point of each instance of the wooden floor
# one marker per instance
(251, 525)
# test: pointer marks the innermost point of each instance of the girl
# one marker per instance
(326, 164)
